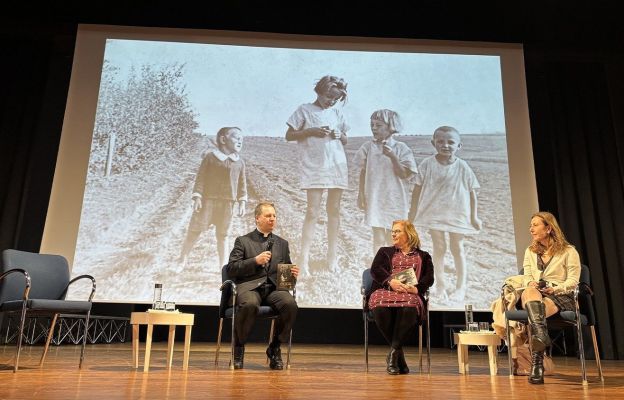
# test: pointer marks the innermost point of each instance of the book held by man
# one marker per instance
(285, 278)
(407, 276)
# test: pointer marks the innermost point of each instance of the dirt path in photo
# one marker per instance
(133, 227)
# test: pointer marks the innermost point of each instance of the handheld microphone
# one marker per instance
(269, 246)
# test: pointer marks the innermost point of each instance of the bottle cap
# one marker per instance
(158, 286)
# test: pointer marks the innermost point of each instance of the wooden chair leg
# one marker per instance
(596, 353)
(48, 339)
(218, 341)
(19, 337)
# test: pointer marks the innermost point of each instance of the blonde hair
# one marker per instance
(557, 242)
(260, 207)
(410, 230)
(390, 118)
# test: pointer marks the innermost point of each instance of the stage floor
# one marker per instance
(317, 372)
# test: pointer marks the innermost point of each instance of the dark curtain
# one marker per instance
(576, 104)
(35, 73)
(577, 124)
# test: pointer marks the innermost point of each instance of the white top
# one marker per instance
(562, 272)
(387, 195)
(322, 159)
(444, 203)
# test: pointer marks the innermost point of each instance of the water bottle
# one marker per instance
(156, 304)
(469, 317)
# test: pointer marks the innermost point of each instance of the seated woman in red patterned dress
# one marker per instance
(398, 306)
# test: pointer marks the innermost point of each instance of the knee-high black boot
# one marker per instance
(537, 367)
(537, 319)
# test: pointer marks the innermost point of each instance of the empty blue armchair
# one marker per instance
(36, 284)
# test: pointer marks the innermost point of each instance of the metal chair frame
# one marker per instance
(521, 315)
(229, 287)
(365, 289)
(54, 315)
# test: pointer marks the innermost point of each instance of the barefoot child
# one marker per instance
(320, 130)
(386, 167)
(445, 200)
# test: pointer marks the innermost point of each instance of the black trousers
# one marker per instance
(248, 305)
(396, 323)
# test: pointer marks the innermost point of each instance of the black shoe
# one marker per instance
(275, 358)
(239, 355)
(403, 368)
(393, 362)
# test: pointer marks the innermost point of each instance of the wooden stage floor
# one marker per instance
(317, 372)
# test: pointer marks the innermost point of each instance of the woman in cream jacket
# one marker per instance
(552, 269)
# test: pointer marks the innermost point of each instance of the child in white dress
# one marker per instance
(445, 200)
(386, 168)
(320, 130)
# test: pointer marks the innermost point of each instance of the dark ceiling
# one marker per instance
(595, 24)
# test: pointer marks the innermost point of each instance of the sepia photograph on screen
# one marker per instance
(189, 137)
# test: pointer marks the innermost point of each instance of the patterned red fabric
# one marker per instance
(389, 298)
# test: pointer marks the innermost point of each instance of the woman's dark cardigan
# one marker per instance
(382, 267)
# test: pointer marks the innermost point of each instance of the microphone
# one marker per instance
(269, 246)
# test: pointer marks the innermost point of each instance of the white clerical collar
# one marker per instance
(222, 156)
(264, 234)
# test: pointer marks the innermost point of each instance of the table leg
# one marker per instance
(170, 343)
(148, 347)
(492, 357)
(460, 358)
(465, 357)
(187, 346)
(135, 345)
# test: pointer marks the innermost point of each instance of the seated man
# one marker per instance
(253, 267)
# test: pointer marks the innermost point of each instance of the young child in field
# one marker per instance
(445, 200)
(319, 129)
(220, 191)
(386, 166)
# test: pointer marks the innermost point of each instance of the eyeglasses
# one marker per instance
(396, 232)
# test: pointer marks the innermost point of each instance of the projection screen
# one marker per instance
(143, 111)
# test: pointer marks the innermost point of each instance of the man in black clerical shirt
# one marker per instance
(253, 267)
